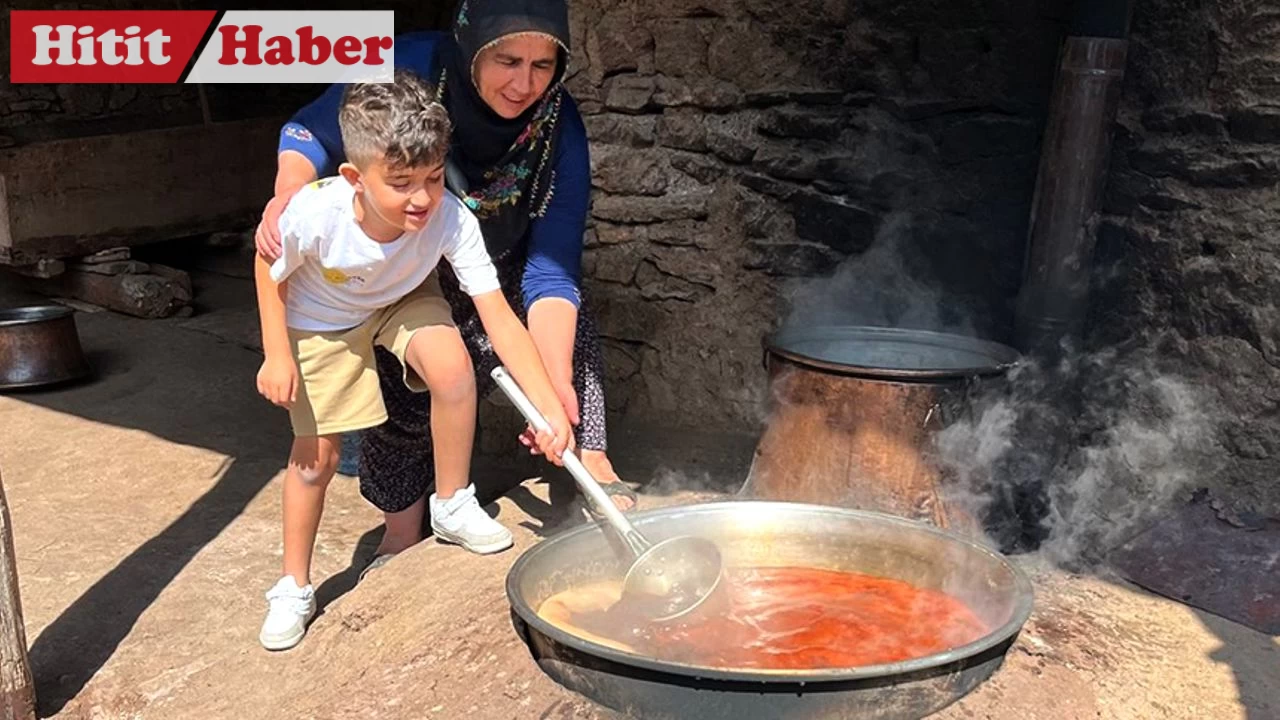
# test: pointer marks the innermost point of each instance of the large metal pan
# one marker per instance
(39, 345)
(776, 534)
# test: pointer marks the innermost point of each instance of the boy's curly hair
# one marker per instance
(400, 122)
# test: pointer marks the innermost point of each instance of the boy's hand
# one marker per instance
(278, 380)
(267, 238)
(553, 444)
(569, 398)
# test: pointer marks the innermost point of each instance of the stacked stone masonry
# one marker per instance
(744, 150)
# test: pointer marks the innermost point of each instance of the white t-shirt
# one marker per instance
(339, 276)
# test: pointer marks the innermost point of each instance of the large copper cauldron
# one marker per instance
(853, 412)
(39, 346)
(771, 534)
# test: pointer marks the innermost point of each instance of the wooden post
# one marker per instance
(17, 687)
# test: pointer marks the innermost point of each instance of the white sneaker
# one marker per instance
(461, 520)
(291, 608)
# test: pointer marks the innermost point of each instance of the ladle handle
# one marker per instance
(633, 538)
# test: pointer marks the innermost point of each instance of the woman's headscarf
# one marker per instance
(503, 169)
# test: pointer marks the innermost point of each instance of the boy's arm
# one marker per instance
(272, 297)
(278, 377)
(514, 347)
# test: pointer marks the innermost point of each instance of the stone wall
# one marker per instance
(875, 161)
(1188, 258)
(748, 153)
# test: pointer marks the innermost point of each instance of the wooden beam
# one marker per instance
(17, 686)
(68, 198)
(157, 293)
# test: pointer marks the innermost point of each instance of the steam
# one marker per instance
(1072, 458)
(880, 287)
(669, 481)
(1081, 456)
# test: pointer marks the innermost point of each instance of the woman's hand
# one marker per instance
(278, 380)
(267, 237)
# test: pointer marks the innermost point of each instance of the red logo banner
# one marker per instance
(103, 46)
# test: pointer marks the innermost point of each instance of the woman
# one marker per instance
(519, 160)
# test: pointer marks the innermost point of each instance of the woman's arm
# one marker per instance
(554, 266)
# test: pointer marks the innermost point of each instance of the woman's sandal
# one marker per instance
(614, 489)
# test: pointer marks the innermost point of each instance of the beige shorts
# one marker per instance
(339, 391)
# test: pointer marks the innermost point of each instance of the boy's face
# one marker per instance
(402, 197)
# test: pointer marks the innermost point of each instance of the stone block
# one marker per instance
(105, 256)
(1256, 124)
(680, 48)
(629, 171)
(732, 137)
(615, 129)
(743, 53)
(42, 269)
(682, 129)
(629, 93)
(700, 167)
(697, 92)
(1184, 121)
(631, 209)
(795, 122)
(621, 45)
(625, 316)
(790, 259)
(790, 161)
(615, 263)
(677, 233)
(115, 267)
(144, 295)
(767, 185)
(178, 276)
(657, 284)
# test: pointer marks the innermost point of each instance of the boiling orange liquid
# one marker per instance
(784, 618)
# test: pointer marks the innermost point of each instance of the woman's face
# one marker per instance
(513, 74)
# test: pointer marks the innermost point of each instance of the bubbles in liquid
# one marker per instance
(789, 618)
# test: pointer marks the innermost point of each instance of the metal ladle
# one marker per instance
(666, 580)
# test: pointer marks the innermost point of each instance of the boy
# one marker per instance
(358, 270)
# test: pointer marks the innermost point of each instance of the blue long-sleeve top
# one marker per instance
(553, 266)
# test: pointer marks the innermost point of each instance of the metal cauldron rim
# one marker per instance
(1022, 606)
(1003, 357)
(33, 314)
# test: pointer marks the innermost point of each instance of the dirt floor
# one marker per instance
(146, 512)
